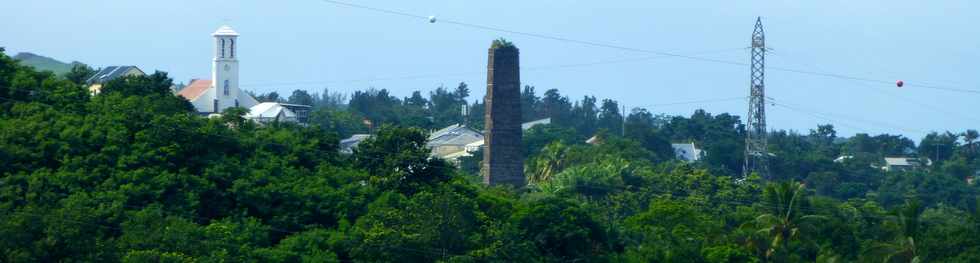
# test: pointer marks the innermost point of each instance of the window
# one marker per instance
(226, 87)
(232, 47)
(222, 47)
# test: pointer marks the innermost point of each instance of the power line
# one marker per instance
(640, 50)
(795, 60)
(885, 91)
(438, 75)
(926, 106)
(820, 117)
(851, 118)
(692, 102)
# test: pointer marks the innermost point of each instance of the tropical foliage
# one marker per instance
(134, 175)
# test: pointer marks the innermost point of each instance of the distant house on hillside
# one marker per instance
(448, 143)
(453, 139)
(904, 163)
(528, 125)
(594, 140)
(687, 152)
(107, 74)
(347, 145)
(302, 111)
(268, 112)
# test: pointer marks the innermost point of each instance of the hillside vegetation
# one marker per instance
(135, 175)
(42, 63)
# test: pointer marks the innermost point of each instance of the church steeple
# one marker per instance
(224, 70)
(221, 91)
(225, 39)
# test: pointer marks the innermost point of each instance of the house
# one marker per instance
(448, 143)
(109, 73)
(222, 91)
(474, 146)
(904, 163)
(843, 158)
(268, 112)
(453, 139)
(302, 111)
(687, 152)
(458, 140)
(347, 145)
(594, 140)
(528, 125)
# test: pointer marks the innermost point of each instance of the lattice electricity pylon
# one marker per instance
(756, 155)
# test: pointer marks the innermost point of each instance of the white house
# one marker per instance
(904, 163)
(448, 143)
(687, 152)
(267, 112)
(453, 139)
(528, 125)
(222, 90)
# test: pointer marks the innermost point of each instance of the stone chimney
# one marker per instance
(503, 157)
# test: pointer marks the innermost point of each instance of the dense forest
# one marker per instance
(135, 175)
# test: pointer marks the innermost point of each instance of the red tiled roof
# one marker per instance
(195, 89)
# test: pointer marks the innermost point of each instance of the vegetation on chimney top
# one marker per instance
(502, 43)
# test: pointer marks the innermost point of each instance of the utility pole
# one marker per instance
(465, 114)
(756, 145)
(624, 120)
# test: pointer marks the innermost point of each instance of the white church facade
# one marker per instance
(221, 91)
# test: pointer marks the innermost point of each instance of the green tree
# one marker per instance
(530, 105)
(904, 249)
(560, 230)
(235, 117)
(79, 73)
(610, 117)
(398, 159)
(547, 164)
(785, 221)
(938, 147)
(301, 97)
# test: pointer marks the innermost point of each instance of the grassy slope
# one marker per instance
(43, 63)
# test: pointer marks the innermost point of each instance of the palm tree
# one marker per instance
(785, 221)
(548, 163)
(903, 249)
(971, 136)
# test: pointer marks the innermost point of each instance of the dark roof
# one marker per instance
(296, 106)
(110, 73)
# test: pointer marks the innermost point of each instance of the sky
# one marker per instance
(314, 44)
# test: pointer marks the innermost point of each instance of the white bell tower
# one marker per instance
(224, 70)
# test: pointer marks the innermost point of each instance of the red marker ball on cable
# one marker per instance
(900, 83)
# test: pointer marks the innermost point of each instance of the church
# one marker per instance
(221, 91)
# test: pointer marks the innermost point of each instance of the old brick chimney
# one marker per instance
(503, 157)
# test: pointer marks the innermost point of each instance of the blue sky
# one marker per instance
(929, 43)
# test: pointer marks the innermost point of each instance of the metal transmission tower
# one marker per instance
(756, 155)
